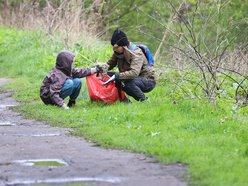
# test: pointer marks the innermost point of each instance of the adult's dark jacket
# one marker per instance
(50, 90)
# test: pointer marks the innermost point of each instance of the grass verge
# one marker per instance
(212, 142)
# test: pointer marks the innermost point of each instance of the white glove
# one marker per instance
(110, 80)
(64, 106)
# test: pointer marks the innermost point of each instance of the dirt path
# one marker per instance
(29, 151)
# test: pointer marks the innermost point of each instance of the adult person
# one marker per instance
(63, 81)
(135, 76)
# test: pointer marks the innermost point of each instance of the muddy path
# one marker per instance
(33, 153)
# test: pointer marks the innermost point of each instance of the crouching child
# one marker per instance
(63, 81)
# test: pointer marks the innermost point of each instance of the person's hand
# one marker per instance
(64, 106)
(110, 80)
(102, 67)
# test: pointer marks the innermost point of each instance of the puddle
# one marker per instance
(39, 135)
(63, 184)
(4, 107)
(6, 123)
(65, 181)
(42, 162)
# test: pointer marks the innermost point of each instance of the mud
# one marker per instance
(23, 141)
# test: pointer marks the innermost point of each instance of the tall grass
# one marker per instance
(211, 142)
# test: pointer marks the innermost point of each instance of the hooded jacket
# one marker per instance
(50, 90)
(131, 64)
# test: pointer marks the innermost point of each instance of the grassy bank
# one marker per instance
(213, 143)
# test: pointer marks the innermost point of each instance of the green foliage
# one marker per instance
(238, 19)
(25, 47)
(188, 85)
(211, 142)
(204, 39)
(146, 21)
(38, 57)
(88, 56)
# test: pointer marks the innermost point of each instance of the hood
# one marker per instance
(64, 61)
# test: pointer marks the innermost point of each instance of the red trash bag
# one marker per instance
(102, 93)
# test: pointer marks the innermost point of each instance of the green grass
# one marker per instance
(213, 143)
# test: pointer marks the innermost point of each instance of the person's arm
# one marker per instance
(82, 72)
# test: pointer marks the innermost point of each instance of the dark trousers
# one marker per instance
(135, 87)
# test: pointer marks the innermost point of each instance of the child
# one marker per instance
(63, 81)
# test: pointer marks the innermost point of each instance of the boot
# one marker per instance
(126, 101)
(71, 103)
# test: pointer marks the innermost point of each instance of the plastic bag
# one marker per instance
(102, 93)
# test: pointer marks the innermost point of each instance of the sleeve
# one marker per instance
(55, 89)
(80, 72)
(112, 62)
(135, 67)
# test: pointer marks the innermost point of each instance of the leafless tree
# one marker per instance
(207, 56)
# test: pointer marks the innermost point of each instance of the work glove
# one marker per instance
(102, 67)
(110, 80)
(64, 106)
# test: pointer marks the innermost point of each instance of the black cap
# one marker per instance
(119, 38)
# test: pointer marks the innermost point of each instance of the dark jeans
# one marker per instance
(135, 87)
